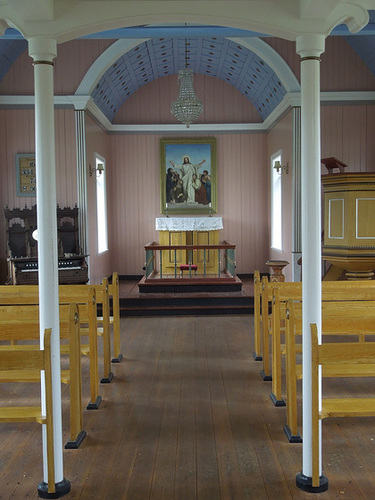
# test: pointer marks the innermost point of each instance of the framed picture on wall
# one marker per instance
(188, 176)
(26, 174)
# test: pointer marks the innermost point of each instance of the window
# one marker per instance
(101, 205)
(276, 205)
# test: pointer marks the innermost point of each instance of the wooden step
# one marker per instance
(186, 305)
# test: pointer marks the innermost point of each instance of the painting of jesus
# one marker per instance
(188, 176)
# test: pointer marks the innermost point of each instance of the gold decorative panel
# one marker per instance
(365, 218)
(336, 218)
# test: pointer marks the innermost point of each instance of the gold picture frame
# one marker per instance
(188, 183)
(25, 174)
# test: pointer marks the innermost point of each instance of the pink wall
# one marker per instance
(133, 165)
(133, 181)
(70, 66)
(222, 103)
(17, 128)
(341, 69)
(348, 134)
(135, 185)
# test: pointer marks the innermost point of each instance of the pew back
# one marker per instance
(21, 323)
(19, 359)
(337, 356)
(342, 318)
(85, 297)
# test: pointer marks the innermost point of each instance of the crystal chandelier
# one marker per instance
(187, 107)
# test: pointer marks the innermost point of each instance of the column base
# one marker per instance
(62, 488)
(305, 483)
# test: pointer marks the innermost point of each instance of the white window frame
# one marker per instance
(276, 204)
(101, 206)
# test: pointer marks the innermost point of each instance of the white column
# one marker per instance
(310, 47)
(81, 179)
(43, 51)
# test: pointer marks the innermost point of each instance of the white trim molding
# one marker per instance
(85, 102)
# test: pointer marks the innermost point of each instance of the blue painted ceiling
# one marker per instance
(217, 57)
(208, 53)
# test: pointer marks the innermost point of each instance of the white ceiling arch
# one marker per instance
(249, 64)
(66, 20)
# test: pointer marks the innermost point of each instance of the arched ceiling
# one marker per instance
(217, 57)
(211, 51)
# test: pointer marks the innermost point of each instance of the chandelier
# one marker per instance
(187, 107)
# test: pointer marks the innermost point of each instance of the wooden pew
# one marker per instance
(339, 318)
(19, 364)
(266, 298)
(114, 319)
(21, 323)
(87, 304)
(281, 292)
(85, 297)
(78, 293)
(335, 359)
(103, 294)
(257, 316)
(287, 289)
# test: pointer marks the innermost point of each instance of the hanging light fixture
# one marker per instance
(187, 107)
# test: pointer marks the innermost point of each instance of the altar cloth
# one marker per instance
(188, 223)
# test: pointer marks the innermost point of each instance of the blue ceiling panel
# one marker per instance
(9, 52)
(365, 48)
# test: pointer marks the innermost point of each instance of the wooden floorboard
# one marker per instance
(188, 416)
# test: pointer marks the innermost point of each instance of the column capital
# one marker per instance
(42, 49)
(310, 45)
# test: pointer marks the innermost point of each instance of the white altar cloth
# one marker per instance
(188, 223)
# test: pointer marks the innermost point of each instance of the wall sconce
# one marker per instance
(280, 168)
(98, 170)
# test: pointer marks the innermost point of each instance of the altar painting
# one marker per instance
(188, 176)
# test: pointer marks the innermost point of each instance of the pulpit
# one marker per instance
(184, 231)
(349, 227)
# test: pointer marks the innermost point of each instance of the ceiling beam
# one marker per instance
(188, 31)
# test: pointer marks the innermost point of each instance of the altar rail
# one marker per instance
(226, 254)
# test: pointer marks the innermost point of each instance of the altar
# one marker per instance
(185, 231)
(189, 223)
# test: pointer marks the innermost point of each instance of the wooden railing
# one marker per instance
(226, 256)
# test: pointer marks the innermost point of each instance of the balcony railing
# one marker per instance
(165, 261)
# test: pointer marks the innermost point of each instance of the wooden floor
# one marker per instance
(187, 416)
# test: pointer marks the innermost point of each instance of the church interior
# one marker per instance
(185, 160)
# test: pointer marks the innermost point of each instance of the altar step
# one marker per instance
(208, 301)
(191, 285)
(181, 304)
